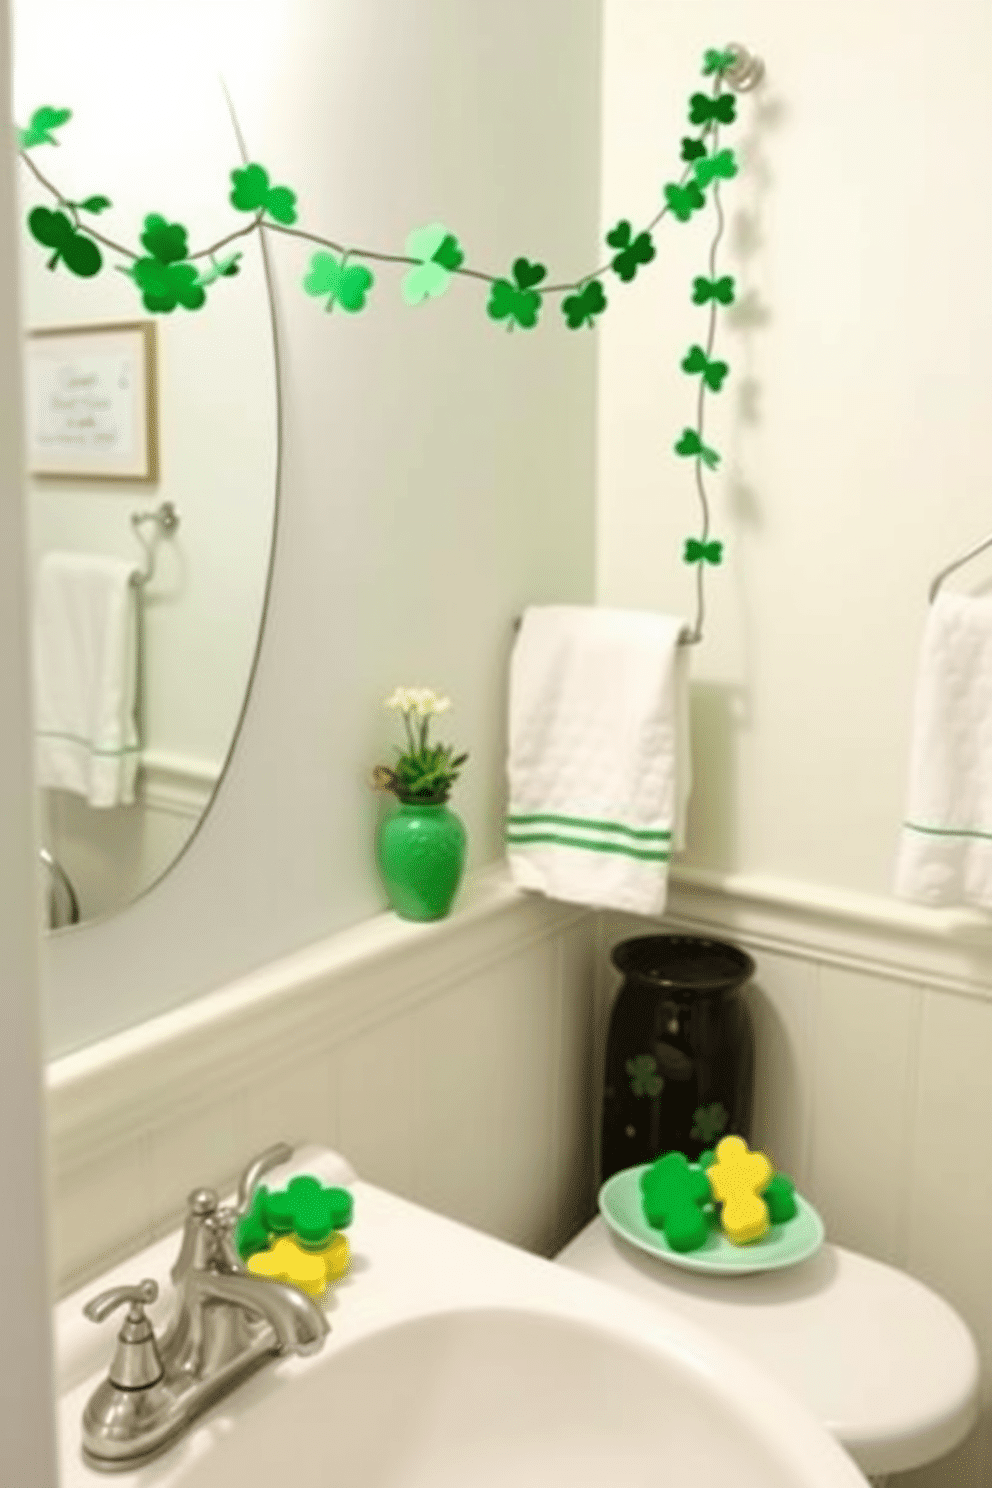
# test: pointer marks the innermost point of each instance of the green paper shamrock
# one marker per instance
(714, 61)
(252, 193)
(691, 444)
(704, 289)
(55, 230)
(719, 110)
(165, 285)
(683, 200)
(439, 254)
(308, 1210)
(39, 131)
(518, 303)
(692, 149)
(700, 552)
(223, 268)
(633, 251)
(708, 1122)
(581, 309)
(166, 241)
(343, 283)
(721, 166)
(644, 1077)
(713, 372)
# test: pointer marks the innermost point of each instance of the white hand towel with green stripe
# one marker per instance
(598, 758)
(945, 848)
(85, 677)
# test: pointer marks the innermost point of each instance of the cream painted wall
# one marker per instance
(27, 1430)
(855, 422)
(438, 475)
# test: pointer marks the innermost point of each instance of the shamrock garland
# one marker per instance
(168, 275)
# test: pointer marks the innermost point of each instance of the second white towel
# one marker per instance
(599, 759)
(945, 849)
(85, 671)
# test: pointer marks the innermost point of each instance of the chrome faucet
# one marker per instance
(226, 1324)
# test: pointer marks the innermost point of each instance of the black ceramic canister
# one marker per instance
(680, 1051)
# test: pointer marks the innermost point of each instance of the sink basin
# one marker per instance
(456, 1359)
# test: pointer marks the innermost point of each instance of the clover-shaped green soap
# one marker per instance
(307, 1210)
(252, 1231)
(673, 1193)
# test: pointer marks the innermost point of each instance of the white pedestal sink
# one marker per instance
(456, 1359)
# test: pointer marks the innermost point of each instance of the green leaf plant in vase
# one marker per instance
(420, 848)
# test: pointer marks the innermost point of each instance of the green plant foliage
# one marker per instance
(94, 204)
(720, 166)
(692, 149)
(440, 254)
(716, 62)
(721, 109)
(342, 283)
(518, 302)
(253, 193)
(165, 285)
(721, 290)
(702, 552)
(581, 309)
(634, 251)
(689, 443)
(713, 372)
(166, 241)
(683, 200)
(73, 248)
(39, 131)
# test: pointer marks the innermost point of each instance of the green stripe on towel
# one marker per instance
(589, 844)
(946, 831)
(639, 834)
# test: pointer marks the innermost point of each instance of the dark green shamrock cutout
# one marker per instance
(343, 283)
(713, 372)
(642, 1072)
(165, 241)
(692, 149)
(702, 552)
(518, 303)
(720, 166)
(714, 61)
(307, 1210)
(252, 193)
(39, 131)
(690, 444)
(683, 200)
(708, 1122)
(719, 110)
(581, 309)
(704, 290)
(55, 230)
(165, 285)
(633, 251)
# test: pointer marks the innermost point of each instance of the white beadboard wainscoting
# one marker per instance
(873, 1080)
(451, 1063)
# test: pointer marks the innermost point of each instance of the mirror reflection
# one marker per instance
(152, 445)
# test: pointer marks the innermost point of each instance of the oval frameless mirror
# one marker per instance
(152, 444)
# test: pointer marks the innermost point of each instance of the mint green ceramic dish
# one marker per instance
(784, 1245)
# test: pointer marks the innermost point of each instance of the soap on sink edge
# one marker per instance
(310, 1270)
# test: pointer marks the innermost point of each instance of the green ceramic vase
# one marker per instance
(421, 852)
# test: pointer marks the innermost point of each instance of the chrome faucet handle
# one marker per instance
(136, 1364)
(280, 1152)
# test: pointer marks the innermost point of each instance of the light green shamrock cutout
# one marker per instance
(344, 284)
(644, 1077)
(439, 254)
(39, 131)
(708, 1122)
